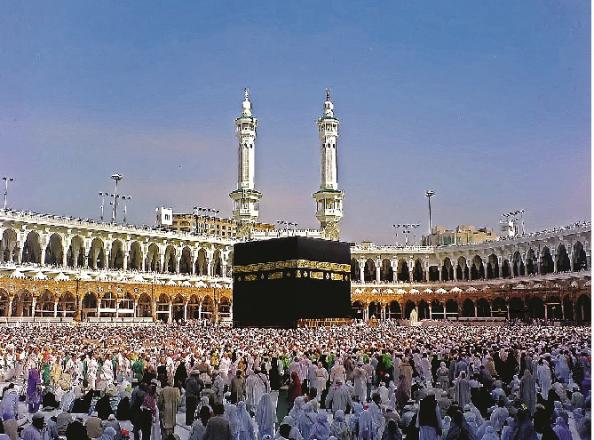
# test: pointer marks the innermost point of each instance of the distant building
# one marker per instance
(461, 235)
(210, 226)
(164, 216)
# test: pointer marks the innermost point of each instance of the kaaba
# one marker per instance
(280, 281)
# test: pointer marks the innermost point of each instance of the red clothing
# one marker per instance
(294, 388)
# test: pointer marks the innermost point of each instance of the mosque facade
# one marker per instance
(62, 268)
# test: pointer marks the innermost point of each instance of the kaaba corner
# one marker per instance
(278, 282)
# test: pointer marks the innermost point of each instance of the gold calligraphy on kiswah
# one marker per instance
(292, 264)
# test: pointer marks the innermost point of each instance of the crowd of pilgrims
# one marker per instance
(351, 382)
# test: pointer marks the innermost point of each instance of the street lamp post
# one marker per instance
(429, 193)
(6, 181)
(407, 229)
(116, 177)
(414, 227)
(126, 199)
(102, 195)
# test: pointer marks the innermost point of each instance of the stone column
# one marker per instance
(209, 261)
(12, 253)
(411, 270)
(2, 249)
(170, 313)
(500, 266)
(143, 265)
(154, 309)
(361, 270)
(79, 305)
(194, 260)
(378, 269)
(554, 257)
(161, 262)
(9, 311)
(107, 253)
(469, 265)
(65, 257)
(177, 263)
(185, 311)
(117, 307)
(394, 265)
(455, 271)
(439, 269)
(475, 309)
(200, 311)
(215, 315)
(56, 308)
(135, 309)
(33, 305)
(126, 258)
(427, 273)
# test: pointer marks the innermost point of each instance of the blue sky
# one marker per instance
(487, 103)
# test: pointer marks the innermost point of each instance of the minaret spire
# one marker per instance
(245, 197)
(247, 104)
(329, 197)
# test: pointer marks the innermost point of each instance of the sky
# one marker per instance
(486, 103)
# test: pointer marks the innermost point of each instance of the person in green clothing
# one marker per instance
(46, 373)
(387, 361)
(138, 369)
(330, 360)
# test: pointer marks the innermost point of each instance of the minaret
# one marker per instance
(329, 197)
(245, 197)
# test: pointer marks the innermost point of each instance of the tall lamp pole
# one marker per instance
(414, 226)
(406, 228)
(116, 177)
(6, 181)
(102, 195)
(126, 199)
(396, 232)
(429, 193)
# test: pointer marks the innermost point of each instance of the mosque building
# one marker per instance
(63, 268)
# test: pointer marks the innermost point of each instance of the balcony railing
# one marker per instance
(57, 220)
